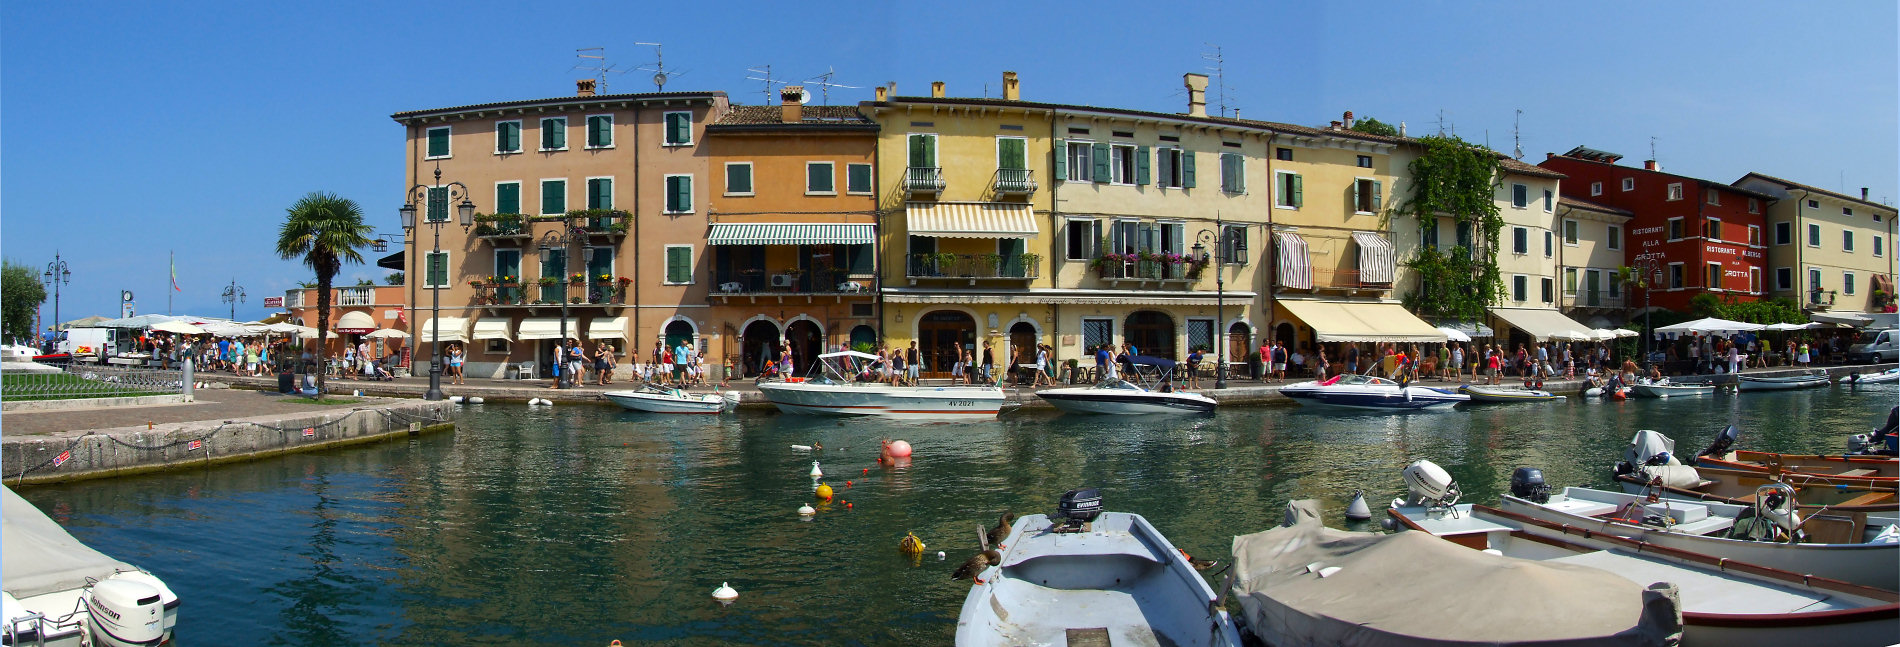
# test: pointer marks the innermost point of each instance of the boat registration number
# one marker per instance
(961, 403)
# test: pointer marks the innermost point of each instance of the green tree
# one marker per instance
(325, 231)
(394, 278)
(1457, 179)
(1372, 126)
(365, 282)
(20, 295)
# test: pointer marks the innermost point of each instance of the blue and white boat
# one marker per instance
(1371, 393)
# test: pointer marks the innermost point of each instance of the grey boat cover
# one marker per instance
(39, 557)
(1411, 588)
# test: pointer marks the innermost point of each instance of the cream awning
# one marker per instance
(492, 329)
(1842, 318)
(789, 234)
(605, 328)
(358, 322)
(1296, 268)
(1362, 321)
(1543, 325)
(970, 219)
(453, 329)
(547, 328)
(1376, 257)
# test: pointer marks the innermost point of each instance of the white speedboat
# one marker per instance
(1084, 579)
(1115, 396)
(1482, 393)
(1666, 389)
(1787, 383)
(59, 591)
(653, 398)
(833, 391)
(1371, 394)
(1305, 390)
(1857, 378)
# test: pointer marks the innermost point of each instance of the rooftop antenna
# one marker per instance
(764, 76)
(1652, 150)
(823, 81)
(594, 59)
(1517, 138)
(660, 75)
(1442, 124)
(1220, 78)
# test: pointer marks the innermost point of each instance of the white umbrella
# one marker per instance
(1602, 335)
(1710, 325)
(178, 327)
(282, 327)
(388, 333)
(1453, 334)
(1625, 332)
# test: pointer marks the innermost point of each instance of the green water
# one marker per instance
(579, 525)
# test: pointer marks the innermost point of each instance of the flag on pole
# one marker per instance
(175, 274)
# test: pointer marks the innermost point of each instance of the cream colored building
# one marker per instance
(1591, 250)
(1832, 252)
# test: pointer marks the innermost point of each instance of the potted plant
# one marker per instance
(945, 262)
(577, 278)
(1027, 264)
(549, 280)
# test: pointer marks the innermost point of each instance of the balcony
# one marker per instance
(973, 266)
(601, 222)
(506, 227)
(1014, 181)
(496, 297)
(355, 297)
(1594, 299)
(753, 284)
(1115, 268)
(1820, 299)
(923, 179)
(1324, 279)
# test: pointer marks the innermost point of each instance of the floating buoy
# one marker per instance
(540, 402)
(847, 505)
(475, 400)
(725, 592)
(1358, 510)
(940, 556)
(847, 484)
(867, 471)
(897, 449)
(910, 544)
(823, 491)
(801, 448)
(815, 472)
(456, 399)
(806, 510)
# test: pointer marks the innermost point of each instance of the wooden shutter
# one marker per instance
(1141, 166)
(1187, 169)
(438, 203)
(600, 131)
(1098, 156)
(1299, 191)
(858, 178)
(679, 193)
(438, 142)
(1062, 159)
(507, 136)
(1012, 153)
(554, 196)
(1378, 195)
(508, 198)
(553, 133)
(679, 264)
(679, 127)
(438, 268)
(600, 193)
(1354, 205)
(1166, 158)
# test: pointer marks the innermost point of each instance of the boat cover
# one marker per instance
(1673, 472)
(1412, 588)
(40, 556)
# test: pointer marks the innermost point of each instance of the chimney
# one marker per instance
(883, 94)
(1401, 129)
(1550, 156)
(1863, 194)
(1012, 90)
(1335, 125)
(936, 89)
(1348, 120)
(791, 106)
(584, 87)
(1197, 94)
(1651, 165)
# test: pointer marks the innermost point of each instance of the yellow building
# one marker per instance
(1590, 252)
(1830, 251)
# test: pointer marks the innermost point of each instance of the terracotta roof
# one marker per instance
(1713, 183)
(1514, 166)
(1815, 189)
(1581, 203)
(1273, 126)
(814, 117)
(575, 99)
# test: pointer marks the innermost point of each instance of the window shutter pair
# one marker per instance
(554, 196)
(1141, 166)
(679, 194)
(679, 264)
(600, 193)
(858, 178)
(508, 198)
(679, 127)
(1230, 173)
(438, 203)
(1062, 159)
(438, 268)
(508, 137)
(438, 142)
(554, 133)
(600, 131)
(1012, 154)
(1187, 169)
(1099, 156)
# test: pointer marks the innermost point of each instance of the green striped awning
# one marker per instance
(789, 234)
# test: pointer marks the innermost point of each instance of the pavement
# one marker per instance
(210, 404)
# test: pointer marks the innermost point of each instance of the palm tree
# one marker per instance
(324, 230)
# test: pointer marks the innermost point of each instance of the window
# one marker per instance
(1675, 191)
(1234, 247)
(1173, 238)
(438, 205)
(553, 197)
(1784, 233)
(1814, 235)
(1613, 239)
(679, 129)
(1845, 211)
(1754, 235)
(1549, 244)
(679, 264)
(922, 150)
(507, 137)
(1520, 195)
(1121, 164)
(1814, 204)
(1591, 279)
(1847, 240)
(820, 178)
(1715, 276)
(1367, 195)
(1754, 280)
(1233, 174)
(600, 131)
(1083, 236)
(1464, 235)
(508, 265)
(857, 179)
(1012, 153)
(1754, 205)
(496, 347)
(436, 273)
(438, 142)
(1283, 154)
(1365, 161)
(1520, 241)
(1675, 276)
(1125, 237)
(1814, 279)
(1520, 287)
(554, 266)
(1570, 233)
(599, 264)
(1079, 162)
(1291, 190)
(1428, 231)
(1544, 289)
(1675, 229)
(1629, 184)
(1616, 285)
(1847, 283)
(600, 193)
(1174, 168)
(1570, 281)
(1550, 200)
(1879, 243)
(1596, 188)
(739, 178)
(1097, 333)
(507, 197)
(1784, 278)
(554, 133)
(1712, 229)
(679, 194)
(1715, 197)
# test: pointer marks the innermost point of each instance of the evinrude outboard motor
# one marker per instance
(1778, 505)
(1429, 485)
(1527, 483)
(1080, 506)
(1722, 442)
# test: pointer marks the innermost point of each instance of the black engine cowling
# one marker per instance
(1081, 504)
(1527, 483)
(1722, 442)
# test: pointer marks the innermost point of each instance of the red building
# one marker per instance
(1698, 235)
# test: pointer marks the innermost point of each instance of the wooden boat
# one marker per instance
(1666, 389)
(1833, 546)
(1845, 468)
(1752, 383)
(1506, 394)
(653, 398)
(1114, 580)
(1724, 601)
(1738, 488)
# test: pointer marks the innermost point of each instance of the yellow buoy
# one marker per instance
(910, 544)
(824, 492)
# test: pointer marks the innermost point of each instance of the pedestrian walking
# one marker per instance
(1194, 368)
(1042, 367)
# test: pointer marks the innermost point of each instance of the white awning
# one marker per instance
(970, 219)
(1362, 321)
(605, 328)
(546, 328)
(1296, 268)
(789, 234)
(1544, 325)
(1842, 318)
(358, 322)
(453, 329)
(492, 329)
(1376, 257)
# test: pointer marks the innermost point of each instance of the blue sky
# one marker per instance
(131, 130)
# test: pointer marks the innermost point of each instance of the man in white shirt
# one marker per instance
(362, 355)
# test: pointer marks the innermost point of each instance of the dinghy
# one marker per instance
(59, 591)
(653, 398)
(1857, 378)
(1480, 393)
(1650, 464)
(1666, 389)
(1751, 383)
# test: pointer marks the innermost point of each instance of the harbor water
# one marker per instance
(578, 525)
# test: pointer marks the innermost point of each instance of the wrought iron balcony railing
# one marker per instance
(923, 179)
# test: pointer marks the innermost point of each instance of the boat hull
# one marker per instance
(1482, 394)
(1386, 399)
(656, 403)
(1846, 468)
(1780, 383)
(1888, 376)
(913, 403)
(1115, 402)
(1670, 390)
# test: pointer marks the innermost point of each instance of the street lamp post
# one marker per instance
(1648, 274)
(1222, 254)
(233, 294)
(57, 274)
(438, 196)
(550, 241)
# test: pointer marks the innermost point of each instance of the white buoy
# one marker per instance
(475, 400)
(815, 472)
(806, 510)
(801, 448)
(725, 593)
(456, 399)
(1358, 510)
(940, 556)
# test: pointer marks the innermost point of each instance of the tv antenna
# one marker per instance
(1442, 124)
(1517, 141)
(1220, 78)
(1652, 150)
(823, 81)
(660, 74)
(764, 73)
(594, 59)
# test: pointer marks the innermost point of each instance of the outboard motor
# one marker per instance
(1080, 506)
(1723, 441)
(1651, 456)
(1429, 485)
(1527, 483)
(125, 613)
(1775, 502)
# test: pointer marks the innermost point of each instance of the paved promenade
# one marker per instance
(211, 404)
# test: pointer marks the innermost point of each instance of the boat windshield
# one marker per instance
(1118, 384)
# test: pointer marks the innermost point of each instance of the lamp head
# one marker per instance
(467, 211)
(408, 213)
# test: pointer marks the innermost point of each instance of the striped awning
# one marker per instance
(1361, 321)
(607, 328)
(789, 234)
(1376, 257)
(970, 219)
(1296, 268)
(491, 329)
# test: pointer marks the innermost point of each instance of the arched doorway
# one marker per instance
(863, 334)
(1239, 341)
(759, 344)
(1152, 333)
(678, 332)
(1022, 347)
(807, 340)
(1284, 333)
(941, 336)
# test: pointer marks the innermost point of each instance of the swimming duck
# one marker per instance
(1001, 531)
(1198, 564)
(976, 564)
(910, 544)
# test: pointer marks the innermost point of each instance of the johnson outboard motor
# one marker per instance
(1079, 506)
(1722, 442)
(124, 612)
(1429, 485)
(1527, 483)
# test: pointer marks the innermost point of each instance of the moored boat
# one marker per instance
(59, 591)
(1667, 389)
(1785, 383)
(1873, 469)
(1480, 393)
(1857, 378)
(1117, 396)
(653, 398)
(833, 391)
(1650, 463)
(1371, 393)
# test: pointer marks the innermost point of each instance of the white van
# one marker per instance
(90, 344)
(1874, 346)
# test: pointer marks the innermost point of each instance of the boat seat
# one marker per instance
(1859, 472)
(1870, 498)
(1090, 637)
(1835, 529)
(1583, 508)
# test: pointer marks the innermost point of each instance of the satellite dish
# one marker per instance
(659, 79)
(804, 96)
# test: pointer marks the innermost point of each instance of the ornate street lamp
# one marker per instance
(438, 196)
(57, 274)
(550, 241)
(233, 294)
(1223, 254)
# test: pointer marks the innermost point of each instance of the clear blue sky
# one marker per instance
(134, 129)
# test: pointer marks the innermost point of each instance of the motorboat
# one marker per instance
(1650, 465)
(1088, 577)
(654, 398)
(1884, 441)
(58, 591)
(1665, 389)
(1117, 396)
(1838, 469)
(1480, 393)
(1303, 584)
(1857, 378)
(1305, 390)
(1371, 393)
(1771, 532)
(1785, 383)
(1723, 601)
(834, 390)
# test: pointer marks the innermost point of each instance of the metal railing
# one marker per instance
(1593, 299)
(1015, 180)
(1342, 279)
(1821, 297)
(503, 226)
(970, 266)
(80, 381)
(752, 282)
(1148, 270)
(923, 179)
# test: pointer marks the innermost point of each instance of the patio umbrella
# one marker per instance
(178, 327)
(388, 333)
(1625, 332)
(1602, 335)
(1453, 334)
(1710, 326)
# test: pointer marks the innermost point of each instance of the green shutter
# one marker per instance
(438, 142)
(1099, 156)
(600, 193)
(1166, 163)
(438, 268)
(679, 264)
(507, 136)
(858, 178)
(679, 194)
(1141, 166)
(1299, 191)
(438, 204)
(1230, 175)
(1187, 169)
(1011, 153)
(1378, 195)
(553, 196)
(679, 127)
(508, 198)
(553, 133)
(600, 131)
(1062, 159)
(1353, 206)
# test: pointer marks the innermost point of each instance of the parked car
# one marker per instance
(1874, 346)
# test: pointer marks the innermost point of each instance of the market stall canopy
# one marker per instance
(970, 219)
(1603, 334)
(1784, 327)
(388, 333)
(1453, 334)
(1625, 332)
(606, 328)
(492, 329)
(453, 329)
(178, 327)
(287, 328)
(545, 328)
(789, 234)
(141, 321)
(1544, 325)
(85, 322)
(1842, 318)
(357, 322)
(1709, 326)
(1334, 321)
